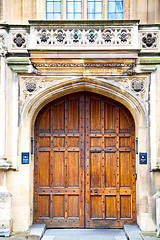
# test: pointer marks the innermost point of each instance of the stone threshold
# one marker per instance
(37, 232)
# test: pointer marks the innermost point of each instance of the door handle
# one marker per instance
(95, 190)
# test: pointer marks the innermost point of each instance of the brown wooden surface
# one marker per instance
(84, 163)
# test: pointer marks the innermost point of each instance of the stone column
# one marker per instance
(5, 196)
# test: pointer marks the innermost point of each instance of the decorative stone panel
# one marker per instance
(29, 85)
(19, 39)
(48, 36)
(149, 40)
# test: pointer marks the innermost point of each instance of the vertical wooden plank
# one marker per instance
(118, 162)
(66, 141)
(103, 162)
(87, 163)
(81, 161)
(51, 161)
(66, 205)
(66, 159)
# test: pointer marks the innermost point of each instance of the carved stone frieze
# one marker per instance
(81, 65)
(124, 68)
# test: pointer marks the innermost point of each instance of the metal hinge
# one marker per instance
(135, 176)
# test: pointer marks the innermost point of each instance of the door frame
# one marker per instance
(106, 88)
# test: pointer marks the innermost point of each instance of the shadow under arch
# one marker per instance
(110, 89)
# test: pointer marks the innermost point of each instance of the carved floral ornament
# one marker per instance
(138, 85)
(149, 40)
(19, 40)
(30, 85)
(81, 36)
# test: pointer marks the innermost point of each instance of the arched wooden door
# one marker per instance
(84, 163)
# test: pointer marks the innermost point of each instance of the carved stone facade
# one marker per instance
(45, 60)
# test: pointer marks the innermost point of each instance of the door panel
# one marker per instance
(110, 167)
(84, 163)
(59, 169)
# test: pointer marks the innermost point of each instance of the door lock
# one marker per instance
(95, 190)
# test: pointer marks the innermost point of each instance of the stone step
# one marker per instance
(132, 232)
(37, 230)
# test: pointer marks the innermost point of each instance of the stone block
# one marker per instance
(5, 213)
(4, 232)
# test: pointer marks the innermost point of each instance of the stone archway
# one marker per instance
(99, 86)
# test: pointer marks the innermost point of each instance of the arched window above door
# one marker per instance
(84, 9)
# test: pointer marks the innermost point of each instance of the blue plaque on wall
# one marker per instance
(143, 158)
(25, 157)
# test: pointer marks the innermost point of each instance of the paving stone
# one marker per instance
(84, 234)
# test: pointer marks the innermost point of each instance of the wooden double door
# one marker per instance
(84, 168)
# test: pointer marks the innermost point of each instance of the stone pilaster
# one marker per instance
(5, 196)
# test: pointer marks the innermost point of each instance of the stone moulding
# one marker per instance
(101, 86)
(30, 85)
(112, 67)
(88, 65)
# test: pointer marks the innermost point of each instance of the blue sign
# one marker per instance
(25, 157)
(142, 158)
